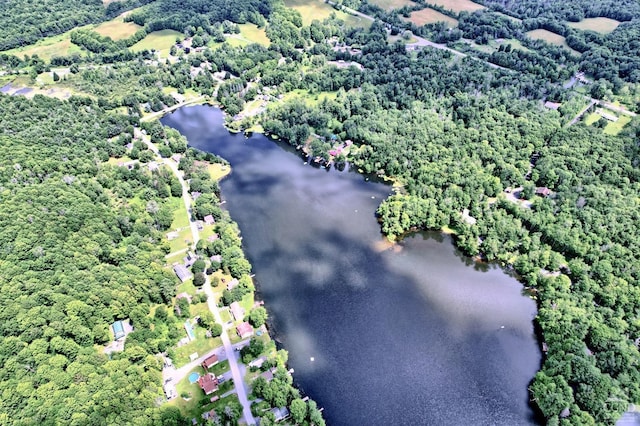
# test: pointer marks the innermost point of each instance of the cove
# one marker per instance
(414, 334)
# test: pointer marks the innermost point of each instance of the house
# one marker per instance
(552, 105)
(118, 330)
(153, 166)
(210, 361)
(182, 272)
(543, 191)
(213, 237)
(236, 311)
(267, 375)
(208, 383)
(258, 362)
(244, 330)
(216, 258)
(232, 284)
(280, 413)
(209, 220)
(195, 195)
(172, 235)
(176, 158)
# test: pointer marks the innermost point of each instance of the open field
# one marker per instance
(317, 9)
(49, 47)
(599, 25)
(458, 5)
(161, 41)
(117, 29)
(549, 37)
(254, 34)
(613, 128)
(392, 4)
(430, 16)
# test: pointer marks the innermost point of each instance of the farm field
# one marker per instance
(549, 37)
(158, 40)
(458, 5)
(316, 9)
(430, 16)
(117, 29)
(599, 25)
(392, 4)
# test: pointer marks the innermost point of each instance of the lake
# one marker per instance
(411, 334)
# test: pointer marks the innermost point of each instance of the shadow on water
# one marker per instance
(378, 335)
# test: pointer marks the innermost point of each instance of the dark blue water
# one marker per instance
(412, 334)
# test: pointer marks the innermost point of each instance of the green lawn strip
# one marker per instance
(592, 118)
(186, 287)
(180, 216)
(191, 407)
(201, 345)
(184, 240)
(613, 128)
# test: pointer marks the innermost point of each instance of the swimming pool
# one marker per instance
(193, 377)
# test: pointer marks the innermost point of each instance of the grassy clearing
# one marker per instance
(218, 171)
(117, 29)
(599, 25)
(201, 345)
(113, 161)
(254, 34)
(49, 47)
(317, 9)
(161, 41)
(591, 118)
(550, 37)
(392, 4)
(186, 287)
(459, 5)
(180, 216)
(430, 16)
(183, 241)
(613, 128)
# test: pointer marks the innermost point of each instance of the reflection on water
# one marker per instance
(378, 334)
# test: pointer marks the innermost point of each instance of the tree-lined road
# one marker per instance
(232, 355)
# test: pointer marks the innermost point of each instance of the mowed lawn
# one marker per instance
(599, 25)
(158, 40)
(117, 29)
(549, 37)
(249, 33)
(392, 4)
(317, 9)
(459, 5)
(430, 16)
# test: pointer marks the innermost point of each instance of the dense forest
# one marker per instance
(456, 144)
(76, 255)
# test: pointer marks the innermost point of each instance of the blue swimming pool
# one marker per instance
(193, 377)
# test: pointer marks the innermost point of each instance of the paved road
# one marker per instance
(232, 355)
(581, 113)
